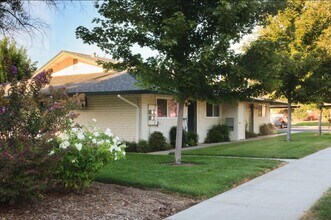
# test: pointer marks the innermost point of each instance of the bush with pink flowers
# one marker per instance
(30, 122)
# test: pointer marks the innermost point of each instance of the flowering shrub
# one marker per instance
(83, 152)
(30, 120)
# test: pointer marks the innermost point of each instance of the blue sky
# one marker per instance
(61, 33)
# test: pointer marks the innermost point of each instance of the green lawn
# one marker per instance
(321, 210)
(303, 144)
(208, 176)
(311, 123)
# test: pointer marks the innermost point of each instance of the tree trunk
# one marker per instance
(179, 133)
(289, 120)
(320, 121)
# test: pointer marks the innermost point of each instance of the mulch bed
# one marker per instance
(101, 201)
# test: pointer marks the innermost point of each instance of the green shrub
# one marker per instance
(218, 133)
(250, 134)
(143, 146)
(83, 154)
(172, 134)
(267, 129)
(30, 120)
(131, 146)
(192, 138)
(157, 141)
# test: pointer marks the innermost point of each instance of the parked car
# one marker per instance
(279, 121)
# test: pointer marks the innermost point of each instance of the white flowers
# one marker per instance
(100, 142)
(77, 138)
(80, 136)
(108, 132)
(51, 153)
(64, 144)
(94, 120)
(64, 137)
(96, 134)
(79, 146)
(74, 130)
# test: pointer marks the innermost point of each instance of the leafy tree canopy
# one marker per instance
(14, 62)
(191, 38)
(291, 57)
(293, 45)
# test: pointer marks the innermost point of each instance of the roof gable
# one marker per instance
(72, 63)
(80, 73)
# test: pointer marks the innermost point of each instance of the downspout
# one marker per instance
(137, 115)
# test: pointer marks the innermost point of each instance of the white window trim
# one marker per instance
(212, 111)
(263, 110)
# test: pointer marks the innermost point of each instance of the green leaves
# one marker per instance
(14, 63)
(191, 38)
(291, 49)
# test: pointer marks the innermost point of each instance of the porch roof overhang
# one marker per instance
(273, 103)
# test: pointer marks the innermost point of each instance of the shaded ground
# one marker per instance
(102, 201)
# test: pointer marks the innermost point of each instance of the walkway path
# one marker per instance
(285, 193)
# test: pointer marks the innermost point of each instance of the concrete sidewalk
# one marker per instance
(283, 194)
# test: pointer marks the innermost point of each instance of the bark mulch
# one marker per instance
(101, 201)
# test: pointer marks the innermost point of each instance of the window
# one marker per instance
(162, 108)
(166, 108)
(261, 111)
(172, 108)
(230, 123)
(212, 110)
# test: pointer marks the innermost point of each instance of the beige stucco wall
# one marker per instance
(241, 121)
(204, 123)
(258, 121)
(237, 111)
(111, 112)
(121, 117)
(230, 110)
(164, 123)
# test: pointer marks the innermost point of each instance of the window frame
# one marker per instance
(169, 101)
(213, 110)
(262, 110)
(232, 120)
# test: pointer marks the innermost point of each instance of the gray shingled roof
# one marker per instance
(118, 83)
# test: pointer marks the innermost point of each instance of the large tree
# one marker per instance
(316, 88)
(14, 62)
(288, 51)
(192, 40)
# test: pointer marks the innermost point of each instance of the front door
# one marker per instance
(192, 117)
